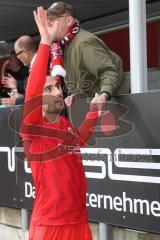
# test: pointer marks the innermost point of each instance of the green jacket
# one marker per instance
(92, 67)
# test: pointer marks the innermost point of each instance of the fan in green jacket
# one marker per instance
(91, 67)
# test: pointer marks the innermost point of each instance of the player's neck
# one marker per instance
(53, 118)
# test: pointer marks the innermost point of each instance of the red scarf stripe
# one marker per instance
(57, 50)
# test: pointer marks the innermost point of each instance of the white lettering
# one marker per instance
(93, 200)
(11, 161)
(87, 204)
(99, 200)
(26, 167)
(125, 200)
(141, 204)
(29, 190)
(117, 203)
(155, 208)
(110, 202)
(124, 204)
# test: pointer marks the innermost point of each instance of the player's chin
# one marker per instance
(55, 108)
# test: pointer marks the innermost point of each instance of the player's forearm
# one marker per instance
(87, 127)
(37, 76)
(32, 111)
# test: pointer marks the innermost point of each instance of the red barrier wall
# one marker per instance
(118, 41)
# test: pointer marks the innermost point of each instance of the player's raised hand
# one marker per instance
(40, 16)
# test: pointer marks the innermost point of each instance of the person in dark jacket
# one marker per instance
(14, 76)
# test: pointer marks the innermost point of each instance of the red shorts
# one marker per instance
(64, 232)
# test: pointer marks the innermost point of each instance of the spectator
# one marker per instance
(26, 49)
(3, 90)
(90, 65)
(14, 75)
(25, 52)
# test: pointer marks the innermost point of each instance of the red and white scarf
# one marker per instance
(57, 50)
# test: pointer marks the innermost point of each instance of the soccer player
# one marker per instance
(52, 147)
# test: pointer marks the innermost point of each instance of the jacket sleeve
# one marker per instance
(32, 109)
(102, 63)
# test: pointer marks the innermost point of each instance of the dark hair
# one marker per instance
(57, 9)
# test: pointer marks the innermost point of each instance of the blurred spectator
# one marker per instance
(26, 49)
(3, 90)
(14, 75)
(25, 53)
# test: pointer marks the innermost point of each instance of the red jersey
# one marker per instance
(53, 151)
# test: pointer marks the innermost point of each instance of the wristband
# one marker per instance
(92, 115)
(107, 94)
